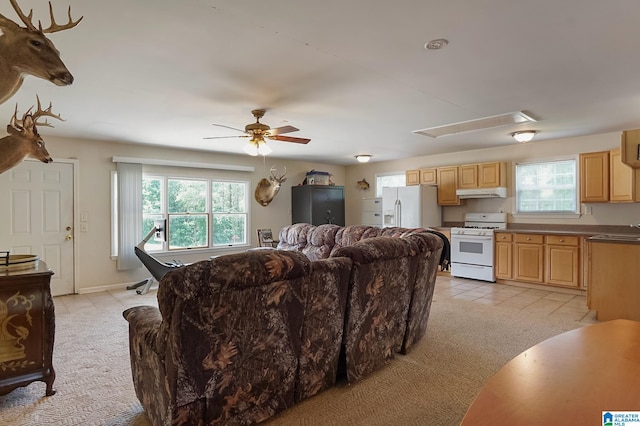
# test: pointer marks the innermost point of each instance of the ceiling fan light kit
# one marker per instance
(257, 147)
(363, 158)
(258, 132)
(524, 135)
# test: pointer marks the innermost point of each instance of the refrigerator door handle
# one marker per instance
(398, 213)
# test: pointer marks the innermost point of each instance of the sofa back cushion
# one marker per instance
(320, 241)
(226, 319)
(349, 235)
(294, 237)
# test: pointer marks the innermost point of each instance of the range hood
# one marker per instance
(498, 192)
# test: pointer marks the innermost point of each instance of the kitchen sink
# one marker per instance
(616, 237)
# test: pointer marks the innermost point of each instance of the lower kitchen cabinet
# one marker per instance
(504, 256)
(562, 255)
(528, 258)
(552, 259)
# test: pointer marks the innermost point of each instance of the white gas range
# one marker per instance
(472, 246)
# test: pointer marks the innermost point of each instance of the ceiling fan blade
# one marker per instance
(228, 127)
(289, 139)
(226, 137)
(283, 129)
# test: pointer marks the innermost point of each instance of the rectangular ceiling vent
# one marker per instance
(517, 117)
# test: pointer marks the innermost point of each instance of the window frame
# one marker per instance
(378, 187)
(547, 214)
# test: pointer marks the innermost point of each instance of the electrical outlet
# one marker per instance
(84, 217)
(587, 209)
(84, 227)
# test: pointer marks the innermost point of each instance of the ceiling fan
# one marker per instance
(258, 132)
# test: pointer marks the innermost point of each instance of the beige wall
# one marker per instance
(97, 270)
(605, 214)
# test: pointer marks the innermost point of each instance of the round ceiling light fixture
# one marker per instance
(436, 44)
(363, 158)
(524, 135)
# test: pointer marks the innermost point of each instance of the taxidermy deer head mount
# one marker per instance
(26, 50)
(23, 140)
(268, 189)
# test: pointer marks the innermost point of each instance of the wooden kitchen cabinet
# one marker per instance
(447, 185)
(504, 255)
(482, 175)
(624, 181)
(613, 280)
(429, 176)
(412, 177)
(528, 258)
(594, 177)
(605, 178)
(562, 260)
(630, 145)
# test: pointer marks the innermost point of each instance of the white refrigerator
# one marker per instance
(411, 207)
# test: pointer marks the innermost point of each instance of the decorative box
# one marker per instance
(315, 177)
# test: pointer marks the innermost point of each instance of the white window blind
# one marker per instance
(129, 214)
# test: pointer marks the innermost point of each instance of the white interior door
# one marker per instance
(36, 217)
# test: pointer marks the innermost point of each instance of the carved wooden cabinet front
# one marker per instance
(27, 327)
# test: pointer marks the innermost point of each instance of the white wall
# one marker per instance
(602, 213)
(97, 270)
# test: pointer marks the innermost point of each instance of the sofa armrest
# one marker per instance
(145, 321)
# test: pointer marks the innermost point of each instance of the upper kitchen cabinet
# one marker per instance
(428, 176)
(605, 178)
(447, 185)
(594, 177)
(630, 154)
(483, 175)
(421, 177)
(624, 181)
(412, 177)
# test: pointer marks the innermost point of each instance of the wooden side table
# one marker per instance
(567, 379)
(27, 327)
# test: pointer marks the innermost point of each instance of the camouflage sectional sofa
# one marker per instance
(244, 336)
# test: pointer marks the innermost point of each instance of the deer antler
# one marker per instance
(27, 20)
(54, 27)
(276, 178)
(19, 124)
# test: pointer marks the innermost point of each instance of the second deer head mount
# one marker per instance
(24, 140)
(26, 50)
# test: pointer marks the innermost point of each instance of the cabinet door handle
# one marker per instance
(561, 240)
(528, 239)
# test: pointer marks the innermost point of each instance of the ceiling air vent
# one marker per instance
(517, 117)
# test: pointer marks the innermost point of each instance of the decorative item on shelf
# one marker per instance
(267, 189)
(265, 238)
(363, 158)
(363, 184)
(524, 135)
(315, 177)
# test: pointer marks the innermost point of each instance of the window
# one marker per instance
(547, 187)
(392, 179)
(200, 213)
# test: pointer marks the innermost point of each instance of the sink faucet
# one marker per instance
(637, 225)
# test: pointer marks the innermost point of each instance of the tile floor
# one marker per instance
(543, 302)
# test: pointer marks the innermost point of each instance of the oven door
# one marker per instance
(472, 249)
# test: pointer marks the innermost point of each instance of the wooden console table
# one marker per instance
(567, 379)
(27, 327)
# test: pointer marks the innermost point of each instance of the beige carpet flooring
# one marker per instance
(433, 385)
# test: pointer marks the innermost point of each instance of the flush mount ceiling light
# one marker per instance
(363, 158)
(524, 135)
(517, 117)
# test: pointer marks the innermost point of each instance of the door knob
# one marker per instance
(68, 237)
(68, 228)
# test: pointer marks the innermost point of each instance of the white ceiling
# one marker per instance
(353, 76)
